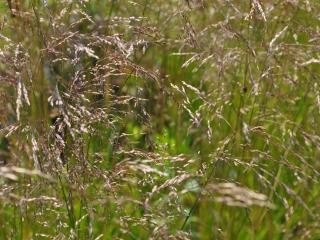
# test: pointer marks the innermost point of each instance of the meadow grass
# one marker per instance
(158, 119)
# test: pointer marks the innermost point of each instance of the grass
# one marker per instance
(159, 119)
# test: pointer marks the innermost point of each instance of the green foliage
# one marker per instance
(159, 119)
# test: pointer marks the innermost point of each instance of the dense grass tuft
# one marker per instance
(158, 119)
